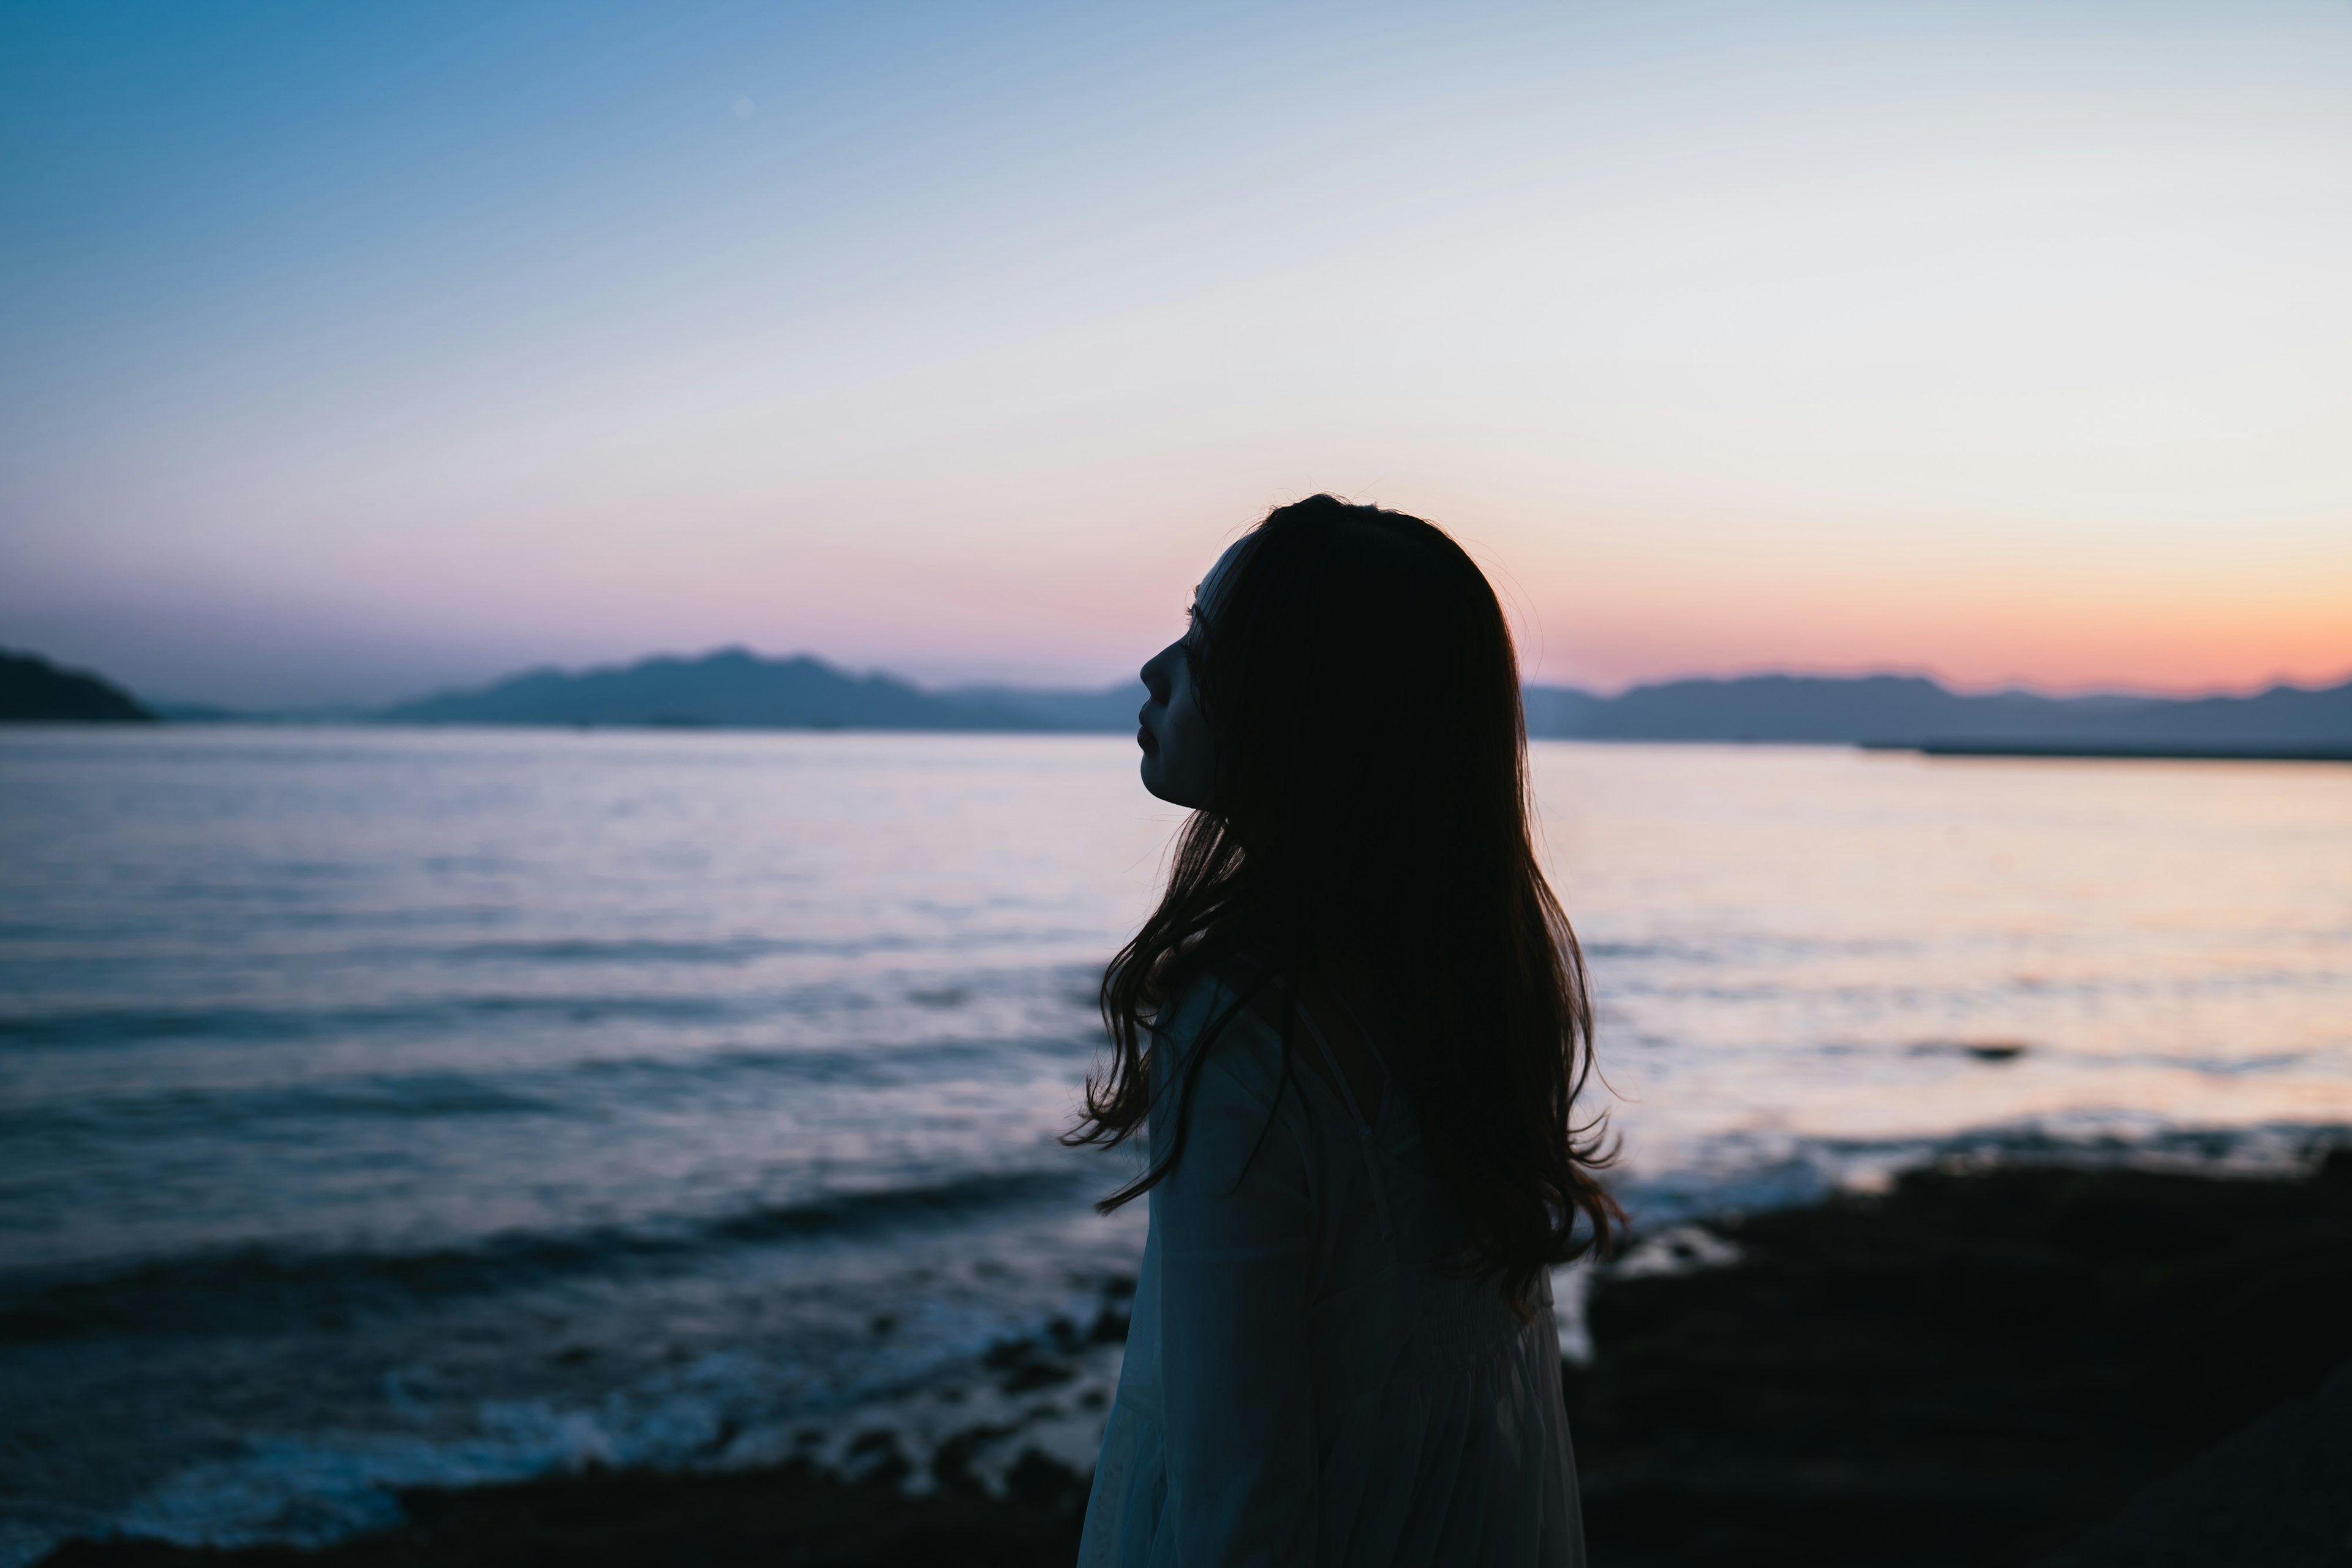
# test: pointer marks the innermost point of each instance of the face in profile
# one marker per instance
(1179, 761)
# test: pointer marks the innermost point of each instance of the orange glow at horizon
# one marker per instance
(2049, 620)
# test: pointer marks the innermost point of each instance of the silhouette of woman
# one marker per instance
(1353, 1031)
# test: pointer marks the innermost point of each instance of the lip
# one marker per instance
(1144, 737)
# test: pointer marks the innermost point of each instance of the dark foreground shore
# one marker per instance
(2045, 1366)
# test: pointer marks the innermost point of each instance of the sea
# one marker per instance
(383, 1108)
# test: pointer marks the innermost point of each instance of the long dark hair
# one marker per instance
(1359, 680)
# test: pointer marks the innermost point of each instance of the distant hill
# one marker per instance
(731, 689)
(34, 690)
(1890, 710)
(1558, 713)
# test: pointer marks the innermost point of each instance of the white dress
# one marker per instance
(1304, 1382)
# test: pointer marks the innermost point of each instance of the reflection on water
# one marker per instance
(390, 1106)
(1799, 944)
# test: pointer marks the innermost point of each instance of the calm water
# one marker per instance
(379, 1107)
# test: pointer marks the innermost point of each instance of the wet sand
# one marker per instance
(2009, 1366)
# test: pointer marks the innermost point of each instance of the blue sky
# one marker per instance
(352, 350)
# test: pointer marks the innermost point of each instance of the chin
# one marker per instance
(1155, 781)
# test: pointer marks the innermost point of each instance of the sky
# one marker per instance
(351, 351)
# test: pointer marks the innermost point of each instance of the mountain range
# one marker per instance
(735, 689)
(1909, 711)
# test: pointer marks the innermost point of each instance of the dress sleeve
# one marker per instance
(1236, 1238)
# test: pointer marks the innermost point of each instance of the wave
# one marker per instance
(133, 1026)
(416, 1097)
(959, 1415)
(586, 1085)
(746, 949)
(128, 1025)
(1751, 1171)
(264, 1289)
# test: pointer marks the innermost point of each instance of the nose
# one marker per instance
(1155, 676)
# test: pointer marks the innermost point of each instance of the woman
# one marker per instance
(1355, 1029)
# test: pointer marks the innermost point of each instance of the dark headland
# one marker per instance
(33, 690)
(2025, 1367)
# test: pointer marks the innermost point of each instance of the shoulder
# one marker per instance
(1228, 1111)
(1230, 1013)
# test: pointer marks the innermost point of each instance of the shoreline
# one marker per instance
(1979, 1366)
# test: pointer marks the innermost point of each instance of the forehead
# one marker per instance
(1205, 593)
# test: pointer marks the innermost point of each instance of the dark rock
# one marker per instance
(1042, 1483)
(2277, 1495)
(1024, 1366)
(951, 1469)
(790, 1517)
(875, 1458)
(1972, 1369)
